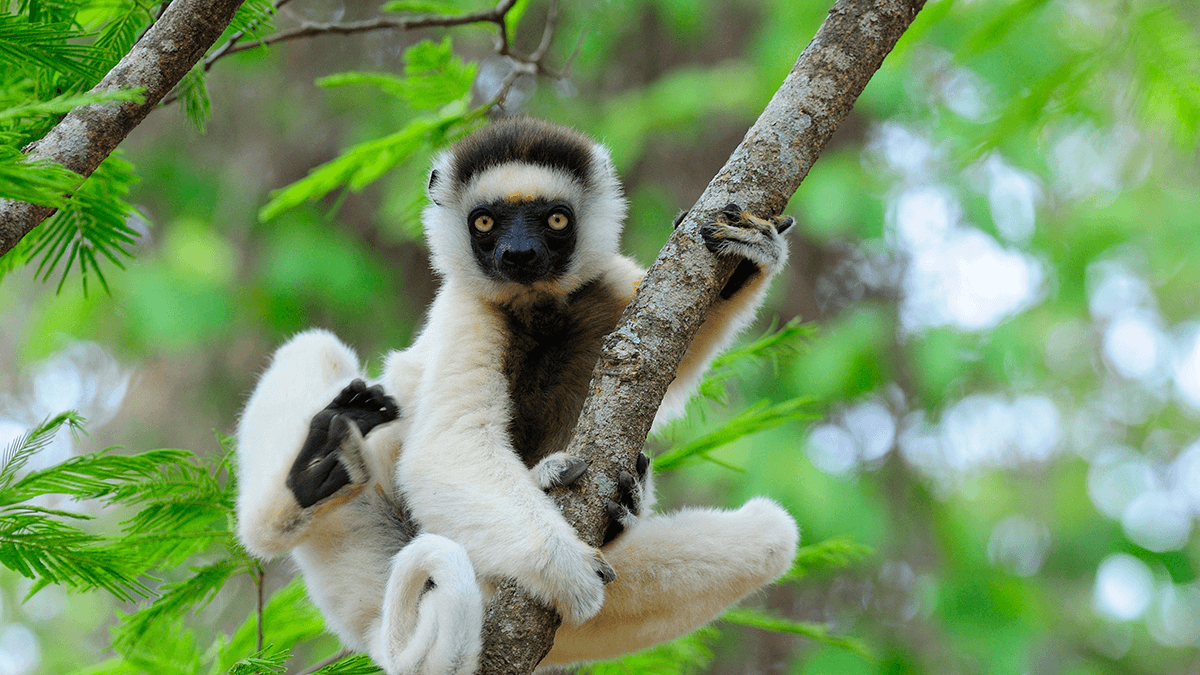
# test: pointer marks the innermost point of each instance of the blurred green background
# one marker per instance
(999, 252)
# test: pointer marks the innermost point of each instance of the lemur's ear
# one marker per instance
(433, 177)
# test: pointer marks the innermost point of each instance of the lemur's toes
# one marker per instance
(782, 223)
(623, 511)
(348, 393)
(732, 212)
(643, 463)
(558, 469)
(603, 570)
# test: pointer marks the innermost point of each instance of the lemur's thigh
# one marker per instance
(676, 572)
(304, 376)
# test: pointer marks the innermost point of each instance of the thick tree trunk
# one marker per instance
(90, 133)
(640, 357)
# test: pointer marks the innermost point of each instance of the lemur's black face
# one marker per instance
(523, 241)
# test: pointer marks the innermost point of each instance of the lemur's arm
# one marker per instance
(763, 252)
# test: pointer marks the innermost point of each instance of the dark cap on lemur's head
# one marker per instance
(524, 139)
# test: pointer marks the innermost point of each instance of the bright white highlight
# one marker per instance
(20, 650)
(1124, 588)
(1134, 345)
(1187, 371)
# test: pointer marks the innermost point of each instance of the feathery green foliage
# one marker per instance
(435, 79)
(758, 417)
(825, 555)
(814, 631)
(687, 654)
(423, 7)
(92, 227)
(766, 351)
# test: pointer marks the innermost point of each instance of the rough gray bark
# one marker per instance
(90, 133)
(640, 357)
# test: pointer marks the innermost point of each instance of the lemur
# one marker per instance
(404, 501)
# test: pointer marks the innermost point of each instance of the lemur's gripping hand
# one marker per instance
(563, 469)
(744, 235)
(623, 512)
(330, 454)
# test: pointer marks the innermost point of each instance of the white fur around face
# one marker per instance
(599, 214)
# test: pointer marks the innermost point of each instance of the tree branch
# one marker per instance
(90, 133)
(640, 357)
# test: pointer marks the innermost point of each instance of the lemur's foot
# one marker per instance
(624, 511)
(756, 241)
(331, 456)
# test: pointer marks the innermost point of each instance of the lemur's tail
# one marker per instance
(432, 611)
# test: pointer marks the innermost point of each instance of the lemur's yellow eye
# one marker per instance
(558, 221)
(484, 223)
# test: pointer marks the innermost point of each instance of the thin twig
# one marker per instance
(234, 45)
(236, 37)
(547, 32)
(259, 575)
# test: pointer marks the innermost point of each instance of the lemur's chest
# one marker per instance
(551, 351)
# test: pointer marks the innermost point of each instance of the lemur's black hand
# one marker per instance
(317, 473)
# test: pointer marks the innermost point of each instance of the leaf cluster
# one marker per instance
(51, 55)
(435, 87)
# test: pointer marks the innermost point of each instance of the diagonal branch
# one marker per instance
(90, 133)
(640, 357)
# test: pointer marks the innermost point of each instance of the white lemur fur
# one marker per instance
(405, 529)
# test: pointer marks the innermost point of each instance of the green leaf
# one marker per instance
(289, 618)
(757, 417)
(433, 77)
(364, 163)
(423, 7)
(18, 453)
(51, 47)
(1167, 53)
(253, 18)
(991, 33)
(36, 544)
(94, 221)
(513, 18)
(167, 648)
(687, 654)
(771, 347)
(357, 664)
(267, 661)
(174, 600)
(193, 94)
(68, 102)
(812, 631)
(43, 182)
(823, 555)
(389, 83)
(90, 476)
(119, 34)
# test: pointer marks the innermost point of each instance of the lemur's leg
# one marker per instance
(762, 250)
(676, 572)
(305, 374)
